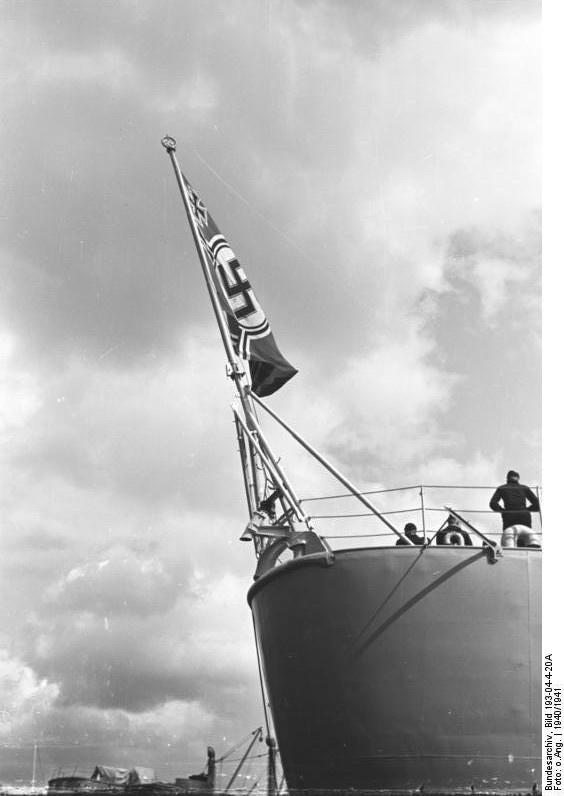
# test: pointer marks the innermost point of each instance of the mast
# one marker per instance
(250, 483)
(275, 470)
(33, 773)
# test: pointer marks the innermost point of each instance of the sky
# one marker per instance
(376, 167)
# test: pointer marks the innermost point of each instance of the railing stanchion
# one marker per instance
(424, 529)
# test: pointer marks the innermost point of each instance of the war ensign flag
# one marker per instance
(248, 326)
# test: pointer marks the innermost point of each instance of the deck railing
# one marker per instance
(340, 517)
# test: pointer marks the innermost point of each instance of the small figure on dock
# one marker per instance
(518, 502)
(410, 530)
(453, 534)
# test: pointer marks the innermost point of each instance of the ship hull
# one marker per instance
(394, 668)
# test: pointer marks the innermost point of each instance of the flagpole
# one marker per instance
(249, 482)
(237, 371)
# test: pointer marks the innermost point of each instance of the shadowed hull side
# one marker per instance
(397, 667)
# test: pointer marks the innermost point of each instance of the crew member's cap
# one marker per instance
(513, 474)
(410, 526)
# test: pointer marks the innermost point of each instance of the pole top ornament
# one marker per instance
(169, 143)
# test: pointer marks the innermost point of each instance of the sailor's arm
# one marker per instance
(533, 500)
(495, 501)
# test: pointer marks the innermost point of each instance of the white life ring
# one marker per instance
(453, 537)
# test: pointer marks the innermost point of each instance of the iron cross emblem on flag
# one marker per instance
(199, 208)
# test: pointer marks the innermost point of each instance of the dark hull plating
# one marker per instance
(394, 668)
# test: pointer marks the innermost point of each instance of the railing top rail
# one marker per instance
(405, 489)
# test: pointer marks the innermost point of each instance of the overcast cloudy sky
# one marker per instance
(375, 166)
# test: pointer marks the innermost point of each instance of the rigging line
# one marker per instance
(237, 745)
(288, 240)
(262, 690)
(368, 492)
(362, 514)
(248, 757)
(438, 486)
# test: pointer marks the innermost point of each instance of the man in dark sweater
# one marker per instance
(518, 502)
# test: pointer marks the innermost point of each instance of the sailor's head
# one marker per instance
(452, 520)
(410, 529)
(513, 477)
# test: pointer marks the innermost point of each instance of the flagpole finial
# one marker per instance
(169, 143)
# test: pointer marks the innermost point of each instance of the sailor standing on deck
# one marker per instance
(518, 502)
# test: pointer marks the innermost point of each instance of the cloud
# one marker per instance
(120, 607)
(19, 394)
(30, 709)
(502, 267)
(380, 415)
(23, 697)
(377, 25)
(120, 584)
(198, 94)
(107, 68)
(96, 639)
(137, 434)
